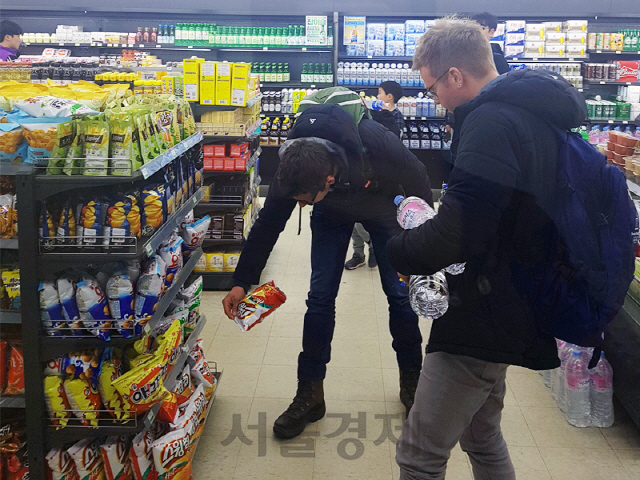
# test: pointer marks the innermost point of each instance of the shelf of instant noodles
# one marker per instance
(217, 280)
(53, 346)
(47, 185)
(10, 316)
(9, 243)
(12, 401)
(253, 160)
(55, 256)
(74, 431)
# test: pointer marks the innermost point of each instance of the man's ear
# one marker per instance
(331, 179)
(492, 32)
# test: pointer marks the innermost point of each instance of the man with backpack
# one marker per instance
(350, 168)
(545, 227)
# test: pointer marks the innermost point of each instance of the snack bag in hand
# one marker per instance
(258, 304)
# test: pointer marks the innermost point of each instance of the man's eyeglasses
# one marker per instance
(430, 93)
(313, 200)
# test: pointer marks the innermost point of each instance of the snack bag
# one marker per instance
(188, 122)
(42, 135)
(18, 464)
(67, 230)
(203, 374)
(169, 344)
(121, 151)
(142, 387)
(61, 465)
(96, 147)
(11, 282)
(56, 400)
(193, 235)
(149, 288)
(183, 384)
(110, 369)
(141, 455)
(133, 217)
(121, 303)
(13, 147)
(258, 304)
(4, 354)
(115, 455)
(88, 460)
(133, 270)
(94, 308)
(172, 256)
(81, 364)
(67, 294)
(74, 161)
(47, 228)
(6, 212)
(117, 231)
(64, 139)
(172, 455)
(193, 417)
(147, 150)
(51, 312)
(156, 134)
(153, 207)
(48, 106)
(192, 296)
(15, 377)
(84, 400)
(91, 221)
(163, 120)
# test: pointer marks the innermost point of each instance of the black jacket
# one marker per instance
(394, 170)
(498, 58)
(492, 217)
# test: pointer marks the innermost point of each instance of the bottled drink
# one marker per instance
(304, 76)
(329, 74)
(316, 73)
(279, 74)
(602, 394)
(172, 34)
(414, 138)
(330, 36)
(428, 294)
(153, 37)
(577, 390)
(547, 378)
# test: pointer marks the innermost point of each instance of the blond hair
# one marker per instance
(454, 42)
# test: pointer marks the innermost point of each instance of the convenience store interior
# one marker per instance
(254, 373)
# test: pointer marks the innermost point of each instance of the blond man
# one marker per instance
(493, 218)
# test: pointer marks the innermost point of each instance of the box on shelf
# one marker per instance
(554, 50)
(515, 51)
(498, 36)
(375, 48)
(394, 48)
(394, 32)
(207, 83)
(575, 50)
(412, 38)
(558, 38)
(514, 39)
(631, 94)
(576, 38)
(376, 31)
(410, 50)
(214, 150)
(576, 25)
(534, 31)
(358, 50)
(191, 72)
(627, 71)
(240, 84)
(515, 26)
(414, 26)
(552, 27)
(223, 83)
(534, 49)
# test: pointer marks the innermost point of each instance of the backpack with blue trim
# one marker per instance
(582, 290)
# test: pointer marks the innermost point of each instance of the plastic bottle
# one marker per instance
(602, 394)
(340, 73)
(428, 294)
(564, 352)
(577, 391)
(547, 378)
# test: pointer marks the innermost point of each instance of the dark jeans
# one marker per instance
(331, 232)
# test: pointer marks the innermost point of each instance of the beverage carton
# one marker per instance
(191, 72)
(240, 84)
(627, 71)
(375, 48)
(376, 31)
(514, 39)
(395, 32)
(414, 26)
(208, 83)
(515, 51)
(515, 26)
(223, 83)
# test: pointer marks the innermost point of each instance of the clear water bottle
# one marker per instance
(564, 352)
(602, 394)
(428, 294)
(547, 378)
(577, 390)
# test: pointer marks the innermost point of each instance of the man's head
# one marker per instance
(389, 92)
(10, 34)
(455, 61)
(488, 22)
(306, 172)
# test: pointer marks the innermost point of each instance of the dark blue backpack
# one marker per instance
(582, 289)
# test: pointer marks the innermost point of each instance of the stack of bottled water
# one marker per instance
(364, 73)
(585, 396)
(428, 294)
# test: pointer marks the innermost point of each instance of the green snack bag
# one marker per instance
(120, 147)
(74, 161)
(155, 139)
(146, 149)
(96, 146)
(64, 139)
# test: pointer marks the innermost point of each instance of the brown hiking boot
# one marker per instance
(307, 407)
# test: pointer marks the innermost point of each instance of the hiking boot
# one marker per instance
(408, 385)
(355, 262)
(372, 262)
(307, 407)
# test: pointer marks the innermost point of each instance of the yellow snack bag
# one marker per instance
(96, 146)
(143, 386)
(74, 161)
(56, 400)
(84, 400)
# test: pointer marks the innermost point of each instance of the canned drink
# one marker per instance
(598, 110)
(597, 72)
(613, 71)
(592, 41)
(599, 37)
(606, 41)
(606, 67)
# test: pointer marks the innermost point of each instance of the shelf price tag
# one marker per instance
(190, 46)
(598, 51)
(77, 44)
(603, 82)
(535, 59)
(610, 121)
(628, 83)
(571, 59)
(109, 44)
(618, 52)
(304, 49)
(625, 122)
(131, 45)
(151, 416)
(149, 250)
(312, 86)
(141, 45)
(158, 46)
(61, 44)
(412, 118)
(265, 48)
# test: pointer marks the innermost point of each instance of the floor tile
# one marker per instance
(229, 328)
(514, 428)
(277, 381)
(583, 463)
(271, 459)
(238, 380)
(283, 351)
(354, 384)
(354, 418)
(287, 325)
(221, 419)
(214, 460)
(245, 349)
(550, 429)
(623, 433)
(630, 459)
(391, 378)
(351, 458)
(528, 463)
(272, 408)
(356, 327)
(529, 390)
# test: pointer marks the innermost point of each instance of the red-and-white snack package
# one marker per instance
(258, 304)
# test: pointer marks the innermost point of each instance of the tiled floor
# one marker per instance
(361, 390)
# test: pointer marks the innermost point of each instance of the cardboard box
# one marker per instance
(241, 164)
(168, 85)
(627, 71)
(229, 164)
(552, 27)
(576, 25)
(554, 50)
(514, 39)
(240, 84)
(515, 51)
(575, 50)
(215, 261)
(208, 83)
(515, 26)
(534, 49)
(556, 38)
(238, 149)
(534, 31)
(576, 38)
(223, 83)
(212, 151)
(191, 71)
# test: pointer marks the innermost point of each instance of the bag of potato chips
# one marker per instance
(48, 106)
(43, 135)
(96, 146)
(13, 147)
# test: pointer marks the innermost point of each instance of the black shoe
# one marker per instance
(307, 407)
(355, 262)
(372, 262)
(408, 384)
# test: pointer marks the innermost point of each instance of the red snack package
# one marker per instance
(4, 350)
(15, 379)
(18, 465)
(258, 304)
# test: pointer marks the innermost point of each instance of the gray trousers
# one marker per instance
(359, 237)
(458, 399)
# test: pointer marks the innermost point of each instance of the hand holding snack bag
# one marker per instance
(258, 304)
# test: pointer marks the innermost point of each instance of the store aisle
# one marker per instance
(356, 440)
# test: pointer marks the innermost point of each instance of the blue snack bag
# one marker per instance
(94, 308)
(149, 288)
(51, 309)
(121, 303)
(67, 294)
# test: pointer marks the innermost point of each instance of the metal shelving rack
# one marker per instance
(38, 347)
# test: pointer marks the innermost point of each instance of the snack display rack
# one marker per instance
(35, 265)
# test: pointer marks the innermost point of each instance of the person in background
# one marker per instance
(494, 217)
(10, 34)
(390, 93)
(489, 23)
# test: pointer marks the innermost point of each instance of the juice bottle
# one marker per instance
(145, 35)
(139, 35)
(154, 35)
(280, 74)
(177, 39)
(192, 33)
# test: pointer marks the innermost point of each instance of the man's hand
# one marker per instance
(231, 301)
(404, 278)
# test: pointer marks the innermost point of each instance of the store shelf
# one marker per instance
(9, 243)
(198, 107)
(612, 121)
(372, 57)
(8, 316)
(250, 133)
(55, 259)
(74, 433)
(375, 87)
(281, 85)
(12, 401)
(547, 60)
(218, 376)
(274, 49)
(15, 168)
(56, 346)
(217, 280)
(221, 207)
(129, 46)
(609, 82)
(415, 117)
(209, 242)
(250, 164)
(167, 157)
(612, 52)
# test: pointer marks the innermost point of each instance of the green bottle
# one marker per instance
(242, 37)
(286, 76)
(280, 74)
(302, 38)
(253, 36)
(278, 36)
(316, 73)
(329, 74)
(304, 75)
(273, 32)
(635, 41)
